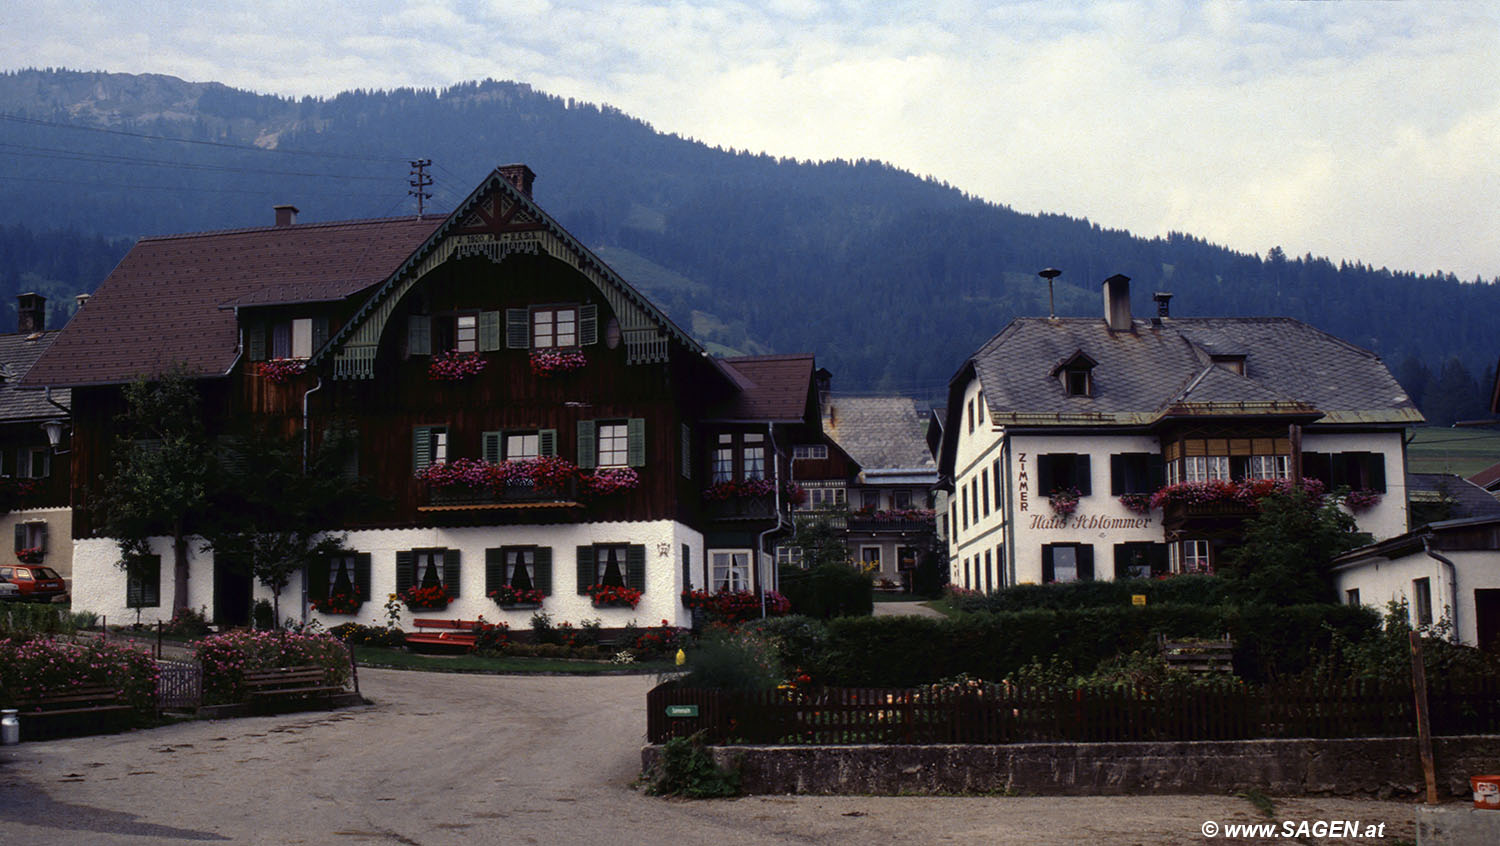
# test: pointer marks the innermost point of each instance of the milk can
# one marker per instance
(10, 728)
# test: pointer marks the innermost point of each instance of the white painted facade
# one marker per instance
(102, 584)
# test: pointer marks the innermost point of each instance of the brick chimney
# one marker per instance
(286, 215)
(1117, 303)
(520, 176)
(31, 313)
(1163, 303)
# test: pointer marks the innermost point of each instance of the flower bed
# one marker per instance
(735, 606)
(34, 668)
(338, 603)
(227, 657)
(278, 370)
(506, 596)
(425, 598)
(455, 366)
(613, 596)
(547, 363)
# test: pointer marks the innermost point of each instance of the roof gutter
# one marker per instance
(1452, 582)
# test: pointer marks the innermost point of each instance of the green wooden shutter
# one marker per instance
(585, 568)
(317, 579)
(517, 329)
(542, 573)
(257, 341)
(588, 325)
(635, 444)
(1044, 484)
(134, 582)
(1086, 562)
(1156, 473)
(546, 442)
(152, 595)
(20, 533)
(421, 448)
(450, 572)
(490, 449)
(1049, 575)
(635, 567)
(489, 331)
(587, 446)
(494, 569)
(319, 332)
(1083, 477)
(1122, 560)
(418, 334)
(687, 451)
(406, 570)
(362, 575)
(1117, 475)
(1375, 470)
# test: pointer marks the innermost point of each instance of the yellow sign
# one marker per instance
(1138, 600)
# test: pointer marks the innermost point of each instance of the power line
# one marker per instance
(181, 188)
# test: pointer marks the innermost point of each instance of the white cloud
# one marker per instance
(1352, 130)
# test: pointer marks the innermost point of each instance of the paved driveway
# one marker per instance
(459, 759)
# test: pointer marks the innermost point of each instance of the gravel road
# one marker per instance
(462, 759)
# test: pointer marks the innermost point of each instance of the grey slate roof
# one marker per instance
(880, 433)
(17, 353)
(1166, 367)
(1467, 498)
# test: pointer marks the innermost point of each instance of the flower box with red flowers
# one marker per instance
(547, 363)
(1361, 500)
(31, 555)
(611, 480)
(509, 597)
(455, 366)
(425, 598)
(338, 603)
(1064, 501)
(613, 596)
(735, 606)
(1136, 503)
(738, 488)
(278, 370)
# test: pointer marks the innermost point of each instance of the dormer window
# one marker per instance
(296, 338)
(1234, 363)
(1076, 375)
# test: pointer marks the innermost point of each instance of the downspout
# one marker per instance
(776, 505)
(1452, 581)
(306, 452)
(47, 394)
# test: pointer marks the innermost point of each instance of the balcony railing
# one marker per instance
(907, 520)
(741, 508)
(511, 494)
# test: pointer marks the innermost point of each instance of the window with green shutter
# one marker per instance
(518, 567)
(636, 448)
(517, 329)
(489, 331)
(622, 565)
(432, 567)
(586, 445)
(588, 325)
(429, 445)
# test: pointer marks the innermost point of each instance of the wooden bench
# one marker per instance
(289, 685)
(452, 634)
(1198, 656)
(78, 710)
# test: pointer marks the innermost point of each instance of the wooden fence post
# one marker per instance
(1424, 730)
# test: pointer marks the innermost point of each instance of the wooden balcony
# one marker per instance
(871, 523)
(515, 496)
(1206, 516)
(737, 508)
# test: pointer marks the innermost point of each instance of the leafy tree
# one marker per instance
(821, 543)
(1286, 557)
(275, 507)
(161, 473)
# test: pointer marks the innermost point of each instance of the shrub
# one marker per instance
(25, 618)
(1178, 590)
(732, 661)
(227, 657)
(359, 634)
(186, 622)
(657, 641)
(686, 768)
(828, 590)
(491, 638)
(34, 667)
(264, 615)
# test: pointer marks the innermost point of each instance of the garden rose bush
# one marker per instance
(227, 657)
(35, 667)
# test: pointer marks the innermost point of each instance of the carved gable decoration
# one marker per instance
(498, 214)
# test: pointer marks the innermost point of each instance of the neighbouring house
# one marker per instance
(1488, 479)
(34, 471)
(530, 420)
(1447, 570)
(890, 521)
(1435, 497)
(1099, 448)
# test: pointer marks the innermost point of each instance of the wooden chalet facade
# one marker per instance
(487, 345)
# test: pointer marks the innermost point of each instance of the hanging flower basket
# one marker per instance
(609, 480)
(548, 363)
(455, 366)
(1065, 501)
(278, 370)
(338, 603)
(508, 597)
(614, 596)
(425, 598)
(1136, 503)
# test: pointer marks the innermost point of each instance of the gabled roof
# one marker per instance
(1290, 367)
(772, 387)
(1465, 498)
(880, 433)
(18, 352)
(1488, 478)
(170, 301)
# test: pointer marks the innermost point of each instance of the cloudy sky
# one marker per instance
(1354, 130)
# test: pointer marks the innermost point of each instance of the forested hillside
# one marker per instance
(891, 279)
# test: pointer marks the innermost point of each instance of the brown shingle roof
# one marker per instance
(169, 301)
(772, 387)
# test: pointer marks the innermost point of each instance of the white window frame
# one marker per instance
(466, 333)
(753, 455)
(826, 498)
(561, 324)
(865, 560)
(787, 554)
(810, 452)
(522, 446)
(729, 569)
(613, 440)
(424, 560)
(1193, 556)
(1058, 564)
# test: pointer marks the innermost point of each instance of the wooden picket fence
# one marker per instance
(997, 714)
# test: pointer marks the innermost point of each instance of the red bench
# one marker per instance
(457, 634)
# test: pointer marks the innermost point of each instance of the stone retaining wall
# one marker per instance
(1382, 767)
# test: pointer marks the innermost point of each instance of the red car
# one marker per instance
(36, 584)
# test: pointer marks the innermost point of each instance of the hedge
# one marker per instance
(830, 590)
(904, 651)
(1178, 590)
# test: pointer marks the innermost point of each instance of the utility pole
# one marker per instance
(420, 181)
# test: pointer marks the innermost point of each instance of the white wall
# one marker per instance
(1382, 580)
(1387, 519)
(100, 585)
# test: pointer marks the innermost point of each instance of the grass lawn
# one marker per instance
(376, 656)
(942, 607)
(1464, 452)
